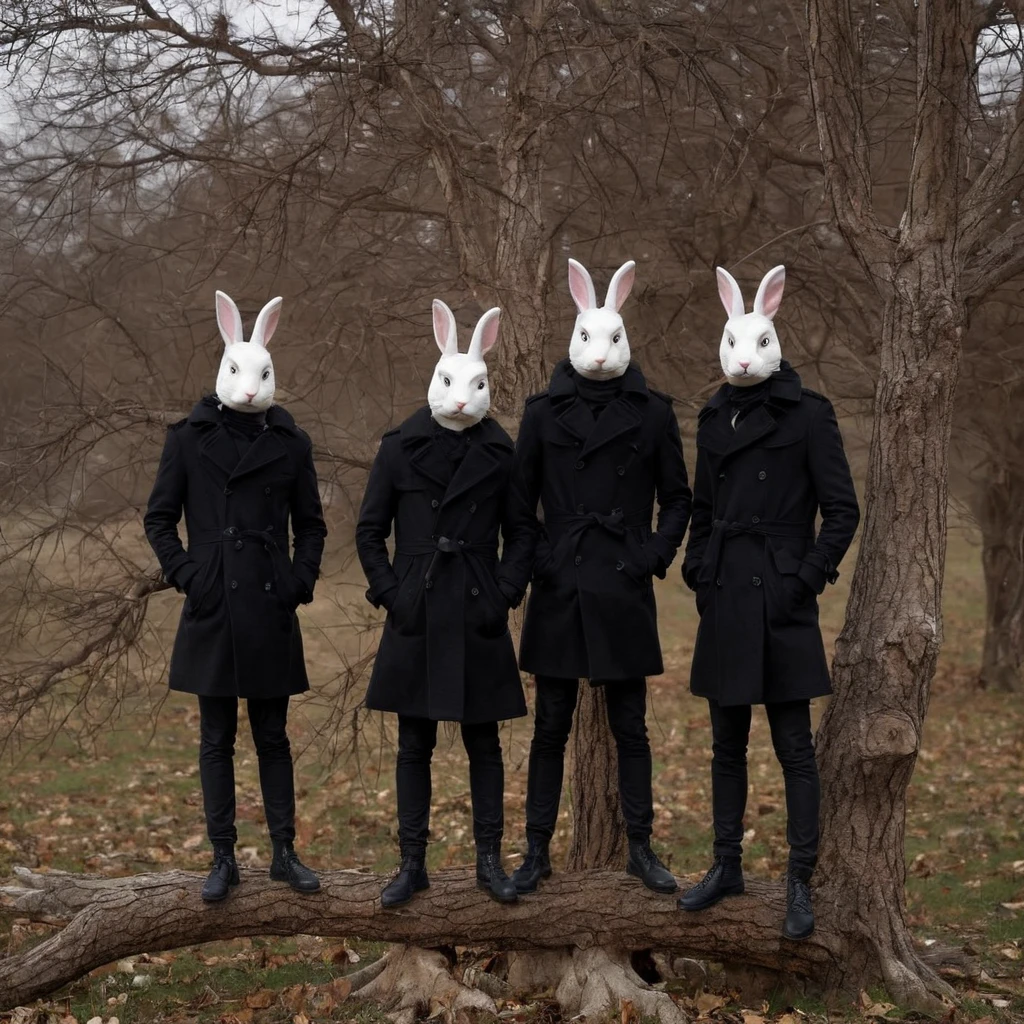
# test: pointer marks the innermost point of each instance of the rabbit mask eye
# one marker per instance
(732, 342)
(584, 336)
(616, 339)
(447, 381)
(234, 369)
(765, 342)
(266, 375)
(481, 385)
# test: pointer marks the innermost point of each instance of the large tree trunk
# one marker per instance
(885, 657)
(1000, 513)
(598, 834)
(107, 919)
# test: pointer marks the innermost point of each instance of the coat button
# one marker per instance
(762, 475)
(718, 583)
(472, 507)
(755, 519)
(756, 581)
(579, 464)
(227, 490)
(721, 476)
(578, 559)
(621, 470)
(239, 545)
(430, 583)
(434, 503)
(475, 592)
(266, 586)
(266, 490)
(461, 542)
(580, 510)
(231, 531)
(620, 565)
(234, 584)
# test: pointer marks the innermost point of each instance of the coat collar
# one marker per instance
(621, 416)
(218, 449)
(784, 390)
(489, 447)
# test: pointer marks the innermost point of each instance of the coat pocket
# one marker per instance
(198, 595)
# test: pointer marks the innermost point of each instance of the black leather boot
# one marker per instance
(724, 879)
(223, 876)
(643, 863)
(491, 877)
(799, 923)
(536, 865)
(286, 867)
(411, 879)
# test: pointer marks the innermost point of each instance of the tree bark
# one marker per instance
(599, 833)
(108, 919)
(1000, 514)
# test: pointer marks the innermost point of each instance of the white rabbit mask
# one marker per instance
(750, 350)
(459, 394)
(599, 348)
(245, 381)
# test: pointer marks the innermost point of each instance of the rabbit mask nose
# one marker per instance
(745, 365)
(250, 396)
(599, 361)
(461, 405)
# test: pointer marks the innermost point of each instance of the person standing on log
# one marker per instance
(240, 468)
(769, 458)
(595, 449)
(441, 480)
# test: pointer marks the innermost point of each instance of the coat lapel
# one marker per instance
(267, 448)
(417, 440)
(751, 429)
(620, 417)
(484, 458)
(218, 450)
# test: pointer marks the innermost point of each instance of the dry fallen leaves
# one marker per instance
(708, 1001)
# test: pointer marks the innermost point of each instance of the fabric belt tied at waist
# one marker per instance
(233, 534)
(722, 528)
(615, 522)
(445, 546)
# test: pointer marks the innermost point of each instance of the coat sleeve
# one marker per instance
(163, 513)
(308, 527)
(376, 516)
(519, 529)
(700, 522)
(674, 499)
(837, 500)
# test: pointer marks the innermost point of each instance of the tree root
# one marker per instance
(417, 982)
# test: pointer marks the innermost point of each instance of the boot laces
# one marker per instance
(800, 896)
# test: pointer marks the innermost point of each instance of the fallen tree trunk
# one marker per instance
(107, 919)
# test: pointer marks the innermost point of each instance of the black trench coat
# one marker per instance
(757, 490)
(238, 635)
(446, 652)
(591, 612)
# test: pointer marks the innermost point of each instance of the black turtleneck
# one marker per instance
(744, 400)
(597, 395)
(243, 427)
(453, 443)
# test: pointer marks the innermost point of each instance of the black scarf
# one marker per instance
(597, 395)
(243, 427)
(453, 443)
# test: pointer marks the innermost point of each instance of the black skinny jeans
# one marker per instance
(218, 724)
(627, 717)
(417, 738)
(790, 723)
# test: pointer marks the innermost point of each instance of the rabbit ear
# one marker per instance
(729, 292)
(581, 286)
(620, 287)
(769, 293)
(266, 323)
(229, 320)
(485, 334)
(445, 332)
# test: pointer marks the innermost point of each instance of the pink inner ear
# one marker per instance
(489, 335)
(271, 325)
(729, 295)
(623, 286)
(772, 298)
(581, 288)
(227, 319)
(442, 326)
